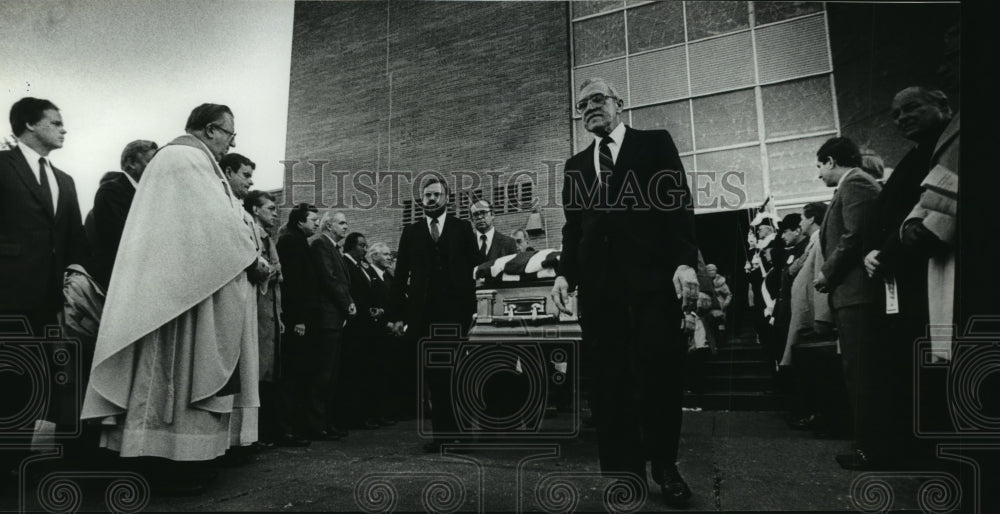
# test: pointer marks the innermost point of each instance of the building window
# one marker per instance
(516, 197)
(741, 86)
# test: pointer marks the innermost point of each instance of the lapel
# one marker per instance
(950, 133)
(825, 228)
(449, 228)
(626, 154)
(587, 168)
(62, 179)
(30, 182)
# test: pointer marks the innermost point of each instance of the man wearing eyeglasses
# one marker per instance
(178, 335)
(628, 190)
(492, 244)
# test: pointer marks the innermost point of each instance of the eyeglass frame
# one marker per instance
(480, 214)
(593, 98)
(232, 135)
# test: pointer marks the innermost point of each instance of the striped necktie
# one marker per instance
(606, 161)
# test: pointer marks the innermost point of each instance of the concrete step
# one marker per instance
(738, 382)
(737, 401)
(738, 368)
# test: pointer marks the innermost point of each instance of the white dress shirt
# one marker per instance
(427, 219)
(489, 238)
(32, 157)
(617, 135)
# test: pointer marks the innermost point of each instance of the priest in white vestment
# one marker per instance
(177, 340)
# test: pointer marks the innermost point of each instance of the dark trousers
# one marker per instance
(323, 390)
(819, 385)
(438, 380)
(294, 385)
(275, 417)
(866, 362)
(357, 400)
(401, 380)
(638, 390)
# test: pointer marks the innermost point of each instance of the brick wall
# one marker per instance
(478, 88)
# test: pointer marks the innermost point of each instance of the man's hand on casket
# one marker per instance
(686, 286)
(560, 295)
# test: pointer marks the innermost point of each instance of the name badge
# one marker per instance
(891, 297)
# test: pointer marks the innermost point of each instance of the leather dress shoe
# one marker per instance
(435, 446)
(176, 489)
(805, 423)
(324, 435)
(292, 440)
(858, 460)
(337, 430)
(675, 490)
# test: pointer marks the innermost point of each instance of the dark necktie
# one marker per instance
(435, 232)
(482, 246)
(604, 157)
(46, 191)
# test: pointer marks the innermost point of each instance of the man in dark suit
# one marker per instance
(40, 235)
(433, 285)
(336, 308)
(492, 243)
(361, 354)
(42, 232)
(901, 254)
(849, 227)
(389, 369)
(628, 190)
(112, 203)
(300, 309)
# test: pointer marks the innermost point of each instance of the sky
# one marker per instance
(123, 70)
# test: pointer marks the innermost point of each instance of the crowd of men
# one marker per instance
(224, 331)
(846, 291)
(209, 340)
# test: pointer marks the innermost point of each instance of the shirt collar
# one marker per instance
(379, 272)
(439, 218)
(32, 156)
(332, 240)
(842, 177)
(130, 179)
(489, 234)
(618, 134)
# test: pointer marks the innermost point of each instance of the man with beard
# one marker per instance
(433, 286)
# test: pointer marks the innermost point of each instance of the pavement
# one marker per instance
(733, 461)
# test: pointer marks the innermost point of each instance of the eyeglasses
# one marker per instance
(480, 214)
(232, 135)
(597, 99)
